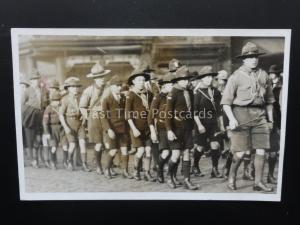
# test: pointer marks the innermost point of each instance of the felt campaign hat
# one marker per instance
(72, 82)
(204, 72)
(98, 71)
(35, 75)
(23, 80)
(54, 84)
(250, 50)
(137, 73)
(181, 73)
(275, 69)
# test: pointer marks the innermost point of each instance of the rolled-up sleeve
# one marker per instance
(229, 92)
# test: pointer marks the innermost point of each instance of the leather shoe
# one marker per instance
(189, 185)
(171, 184)
(271, 180)
(262, 187)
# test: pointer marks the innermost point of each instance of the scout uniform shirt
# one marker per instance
(136, 108)
(113, 117)
(179, 108)
(207, 105)
(248, 87)
(90, 99)
(51, 117)
(157, 113)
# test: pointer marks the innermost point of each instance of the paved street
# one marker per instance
(61, 180)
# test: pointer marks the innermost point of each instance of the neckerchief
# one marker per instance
(210, 96)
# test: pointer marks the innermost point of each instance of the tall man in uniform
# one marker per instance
(179, 125)
(137, 106)
(247, 98)
(90, 107)
(72, 122)
(115, 126)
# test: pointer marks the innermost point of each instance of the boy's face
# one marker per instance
(222, 81)
(273, 76)
(139, 82)
(183, 83)
(115, 88)
(99, 81)
(207, 81)
(167, 87)
(73, 90)
(251, 62)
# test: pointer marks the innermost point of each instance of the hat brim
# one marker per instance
(91, 75)
(275, 71)
(24, 82)
(35, 78)
(67, 86)
(249, 55)
(181, 78)
(132, 77)
(199, 77)
(148, 70)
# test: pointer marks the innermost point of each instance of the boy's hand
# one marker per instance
(111, 134)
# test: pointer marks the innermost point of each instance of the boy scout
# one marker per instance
(71, 120)
(137, 106)
(90, 107)
(34, 101)
(247, 97)
(156, 122)
(115, 126)
(52, 128)
(179, 125)
(274, 74)
(208, 119)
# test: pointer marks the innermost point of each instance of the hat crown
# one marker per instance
(249, 47)
(35, 74)
(205, 70)
(72, 81)
(54, 83)
(174, 64)
(97, 68)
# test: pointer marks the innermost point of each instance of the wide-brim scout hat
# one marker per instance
(35, 75)
(165, 79)
(115, 80)
(54, 84)
(204, 72)
(23, 80)
(98, 71)
(222, 75)
(72, 82)
(148, 69)
(250, 50)
(138, 74)
(275, 69)
(182, 73)
(55, 96)
(174, 64)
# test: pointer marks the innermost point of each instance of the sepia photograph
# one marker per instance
(150, 114)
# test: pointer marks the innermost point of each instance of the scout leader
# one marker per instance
(137, 106)
(247, 98)
(156, 122)
(34, 102)
(115, 126)
(71, 120)
(179, 125)
(52, 128)
(274, 74)
(90, 107)
(207, 117)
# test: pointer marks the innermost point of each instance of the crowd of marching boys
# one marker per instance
(168, 119)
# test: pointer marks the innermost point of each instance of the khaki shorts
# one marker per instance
(77, 130)
(141, 141)
(253, 135)
(121, 140)
(95, 130)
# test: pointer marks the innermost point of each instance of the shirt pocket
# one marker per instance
(244, 93)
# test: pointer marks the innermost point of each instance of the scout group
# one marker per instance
(173, 120)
